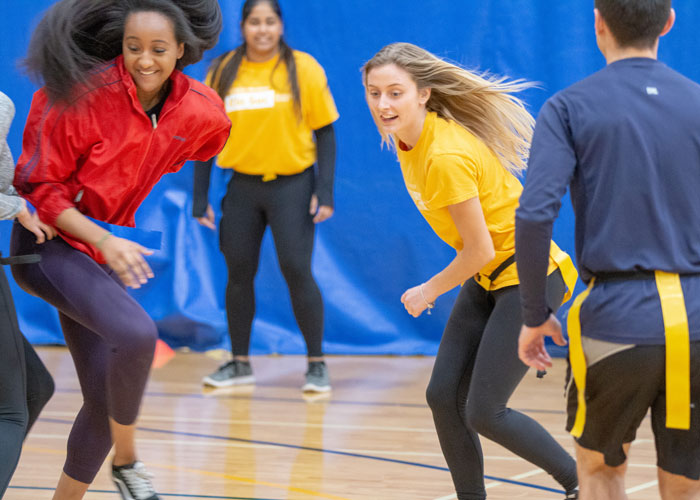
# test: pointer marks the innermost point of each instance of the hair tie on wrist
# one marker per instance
(430, 305)
(102, 241)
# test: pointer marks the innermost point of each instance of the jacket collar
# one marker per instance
(180, 85)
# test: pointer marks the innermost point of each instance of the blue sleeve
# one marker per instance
(550, 170)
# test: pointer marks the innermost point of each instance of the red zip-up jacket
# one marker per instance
(102, 154)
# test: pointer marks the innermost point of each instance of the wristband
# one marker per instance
(102, 240)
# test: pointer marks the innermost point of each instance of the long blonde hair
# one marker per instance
(482, 104)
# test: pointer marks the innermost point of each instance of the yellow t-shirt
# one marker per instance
(267, 138)
(450, 165)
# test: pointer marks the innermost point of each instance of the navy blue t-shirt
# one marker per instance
(626, 140)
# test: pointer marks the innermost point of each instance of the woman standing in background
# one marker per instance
(278, 101)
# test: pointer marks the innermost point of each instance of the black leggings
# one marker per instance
(25, 386)
(250, 205)
(110, 337)
(476, 371)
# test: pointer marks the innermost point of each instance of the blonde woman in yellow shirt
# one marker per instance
(461, 139)
(278, 101)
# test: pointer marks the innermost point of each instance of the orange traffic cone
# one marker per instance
(162, 355)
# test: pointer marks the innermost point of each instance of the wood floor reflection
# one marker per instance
(372, 438)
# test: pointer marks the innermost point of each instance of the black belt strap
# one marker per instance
(608, 276)
(20, 259)
(495, 274)
(504, 265)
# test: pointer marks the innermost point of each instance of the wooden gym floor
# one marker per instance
(371, 439)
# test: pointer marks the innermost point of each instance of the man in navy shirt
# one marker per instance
(626, 140)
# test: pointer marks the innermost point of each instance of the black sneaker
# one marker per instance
(232, 373)
(134, 482)
(572, 495)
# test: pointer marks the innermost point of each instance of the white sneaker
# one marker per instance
(134, 482)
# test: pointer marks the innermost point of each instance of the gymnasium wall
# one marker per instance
(377, 245)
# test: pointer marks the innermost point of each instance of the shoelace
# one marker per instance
(226, 365)
(316, 369)
(226, 368)
(138, 480)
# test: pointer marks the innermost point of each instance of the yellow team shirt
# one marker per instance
(267, 138)
(450, 165)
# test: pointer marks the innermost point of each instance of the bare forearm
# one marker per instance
(477, 251)
(77, 225)
(465, 265)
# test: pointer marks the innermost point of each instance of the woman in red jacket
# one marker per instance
(115, 114)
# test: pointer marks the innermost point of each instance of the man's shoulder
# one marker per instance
(580, 88)
(681, 79)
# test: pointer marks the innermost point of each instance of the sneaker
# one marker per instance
(573, 495)
(134, 482)
(317, 378)
(232, 373)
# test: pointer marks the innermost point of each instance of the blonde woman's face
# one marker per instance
(396, 103)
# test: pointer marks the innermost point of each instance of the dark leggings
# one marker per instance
(476, 371)
(25, 386)
(109, 335)
(250, 205)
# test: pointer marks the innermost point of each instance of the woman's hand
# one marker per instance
(321, 213)
(32, 223)
(416, 302)
(126, 259)
(209, 220)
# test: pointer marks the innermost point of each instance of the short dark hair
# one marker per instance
(635, 23)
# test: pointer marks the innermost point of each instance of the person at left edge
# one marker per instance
(115, 114)
(25, 383)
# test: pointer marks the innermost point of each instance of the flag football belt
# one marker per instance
(677, 347)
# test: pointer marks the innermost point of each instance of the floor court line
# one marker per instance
(62, 437)
(528, 474)
(497, 483)
(268, 423)
(172, 495)
(230, 477)
(320, 450)
(301, 400)
(641, 487)
(448, 497)
(149, 418)
(256, 482)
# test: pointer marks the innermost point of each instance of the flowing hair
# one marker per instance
(482, 104)
(223, 75)
(76, 36)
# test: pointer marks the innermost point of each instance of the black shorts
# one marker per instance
(620, 389)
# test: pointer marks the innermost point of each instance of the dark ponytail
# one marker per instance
(287, 55)
(223, 76)
(75, 36)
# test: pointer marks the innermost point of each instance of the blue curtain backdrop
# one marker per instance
(376, 245)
